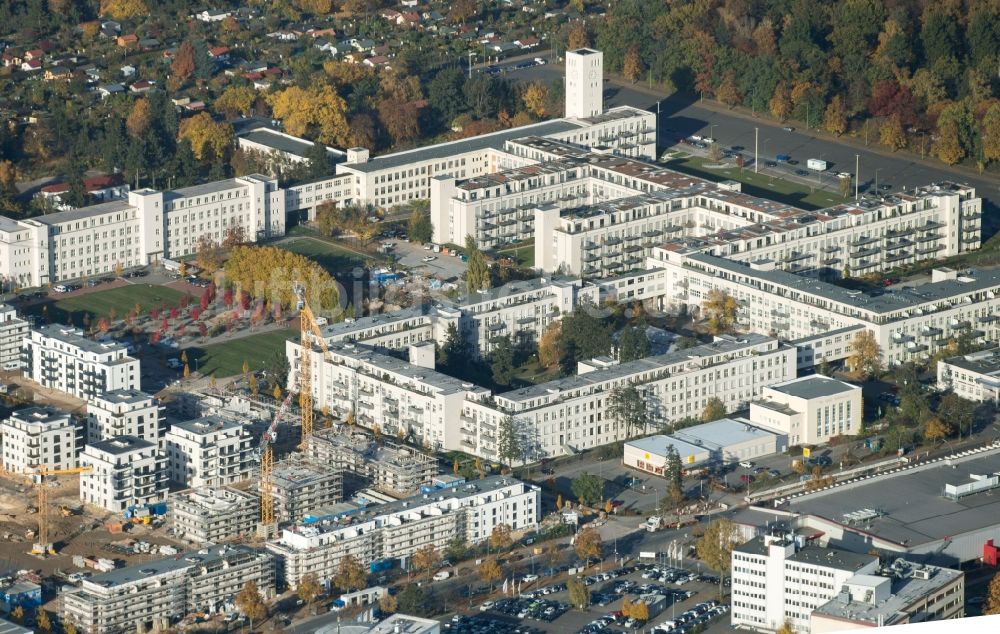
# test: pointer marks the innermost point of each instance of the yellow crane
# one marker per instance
(43, 546)
(310, 335)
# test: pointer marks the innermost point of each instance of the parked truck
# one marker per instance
(816, 164)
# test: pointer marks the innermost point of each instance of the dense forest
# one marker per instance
(906, 72)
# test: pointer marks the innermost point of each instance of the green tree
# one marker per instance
(627, 407)
(413, 600)
(990, 134)
(633, 344)
(714, 410)
(502, 361)
(419, 228)
(584, 336)
(508, 447)
(588, 488)
(477, 275)
(957, 412)
(579, 593)
(715, 547)
(672, 468)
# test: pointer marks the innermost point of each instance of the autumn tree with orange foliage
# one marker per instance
(206, 135)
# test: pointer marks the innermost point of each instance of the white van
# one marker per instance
(61, 288)
(441, 575)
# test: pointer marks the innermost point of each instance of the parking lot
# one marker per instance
(412, 255)
(686, 599)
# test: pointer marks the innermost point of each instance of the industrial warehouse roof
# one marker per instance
(913, 508)
(657, 446)
(724, 432)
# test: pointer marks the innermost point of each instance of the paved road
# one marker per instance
(680, 116)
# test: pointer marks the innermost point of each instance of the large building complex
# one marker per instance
(399, 529)
(387, 467)
(62, 358)
(125, 413)
(779, 577)
(156, 594)
(212, 515)
(125, 471)
(147, 227)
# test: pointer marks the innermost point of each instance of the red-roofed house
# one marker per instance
(219, 52)
(128, 40)
(528, 42)
(100, 188)
(31, 65)
(143, 85)
(35, 53)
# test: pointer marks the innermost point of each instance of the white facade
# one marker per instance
(974, 376)
(776, 578)
(723, 441)
(147, 227)
(13, 331)
(810, 410)
(125, 471)
(208, 451)
(125, 413)
(62, 358)
(584, 83)
(39, 437)
(153, 595)
(468, 512)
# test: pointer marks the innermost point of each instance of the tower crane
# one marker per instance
(43, 546)
(310, 335)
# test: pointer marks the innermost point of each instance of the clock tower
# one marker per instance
(584, 82)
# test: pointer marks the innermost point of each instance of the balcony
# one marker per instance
(900, 337)
(927, 237)
(863, 253)
(960, 325)
(795, 256)
(986, 319)
(930, 332)
(898, 233)
(898, 244)
(902, 255)
(863, 240)
(830, 248)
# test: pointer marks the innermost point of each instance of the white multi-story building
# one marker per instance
(809, 410)
(974, 376)
(125, 413)
(62, 358)
(39, 437)
(212, 515)
(13, 332)
(468, 512)
(571, 414)
(393, 469)
(208, 451)
(584, 83)
(776, 578)
(154, 595)
(147, 227)
(125, 471)
(780, 578)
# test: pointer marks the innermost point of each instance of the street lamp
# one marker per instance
(711, 132)
(877, 170)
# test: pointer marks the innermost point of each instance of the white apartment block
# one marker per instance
(810, 410)
(776, 578)
(13, 331)
(974, 376)
(125, 471)
(147, 227)
(571, 414)
(301, 488)
(468, 512)
(62, 358)
(212, 515)
(208, 451)
(598, 215)
(908, 323)
(393, 469)
(154, 595)
(125, 413)
(39, 437)
(584, 83)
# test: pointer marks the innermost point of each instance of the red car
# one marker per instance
(746, 477)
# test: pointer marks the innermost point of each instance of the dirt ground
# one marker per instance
(82, 534)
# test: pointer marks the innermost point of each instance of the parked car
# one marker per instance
(428, 258)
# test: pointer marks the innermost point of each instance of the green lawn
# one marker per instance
(532, 372)
(226, 359)
(523, 253)
(765, 185)
(100, 303)
(336, 259)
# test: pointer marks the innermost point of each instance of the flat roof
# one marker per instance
(76, 338)
(914, 509)
(832, 558)
(657, 445)
(41, 414)
(985, 362)
(147, 569)
(813, 386)
(206, 425)
(121, 444)
(722, 433)
(463, 146)
(284, 142)
(90, 211)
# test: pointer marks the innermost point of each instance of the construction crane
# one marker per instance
(43, 546)
(310, 335)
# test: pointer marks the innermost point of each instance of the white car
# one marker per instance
(540, 61)
(428, 258)
(747, 464)
(486, 606)
(441, 575)
(61, 288)
(529, 578)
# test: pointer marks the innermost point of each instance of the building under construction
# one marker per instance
(387, 467)
(212, 515)
(299, 487)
